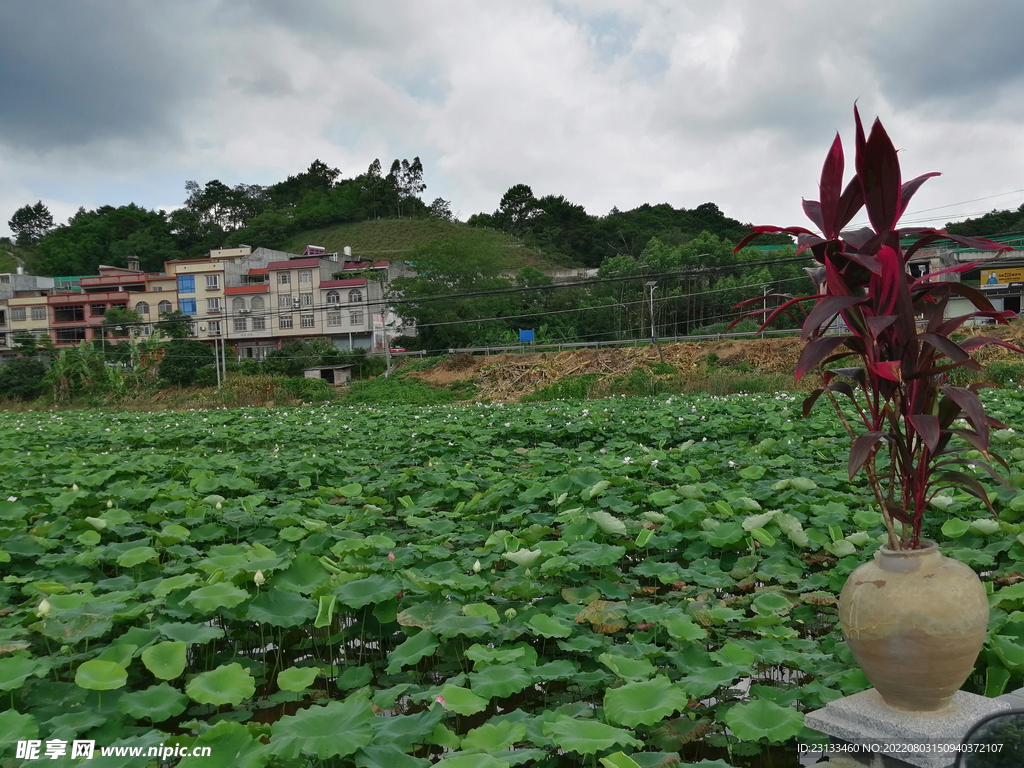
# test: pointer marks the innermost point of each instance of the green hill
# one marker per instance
(397, 238)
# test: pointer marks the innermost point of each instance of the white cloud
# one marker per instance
(608, 103)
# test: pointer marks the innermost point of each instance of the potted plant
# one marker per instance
(914, 619)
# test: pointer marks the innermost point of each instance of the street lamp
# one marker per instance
(651, 285)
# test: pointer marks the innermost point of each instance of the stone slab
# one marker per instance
(864, 721)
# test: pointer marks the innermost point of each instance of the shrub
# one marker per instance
(309, 390)
(397, 391)
(569, 388)
(1001, 372)
(22, 379)
(184, 362)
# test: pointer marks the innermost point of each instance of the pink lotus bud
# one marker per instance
(391, 556)
(440, 700)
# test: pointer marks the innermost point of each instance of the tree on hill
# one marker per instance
(30, 223)
(991, 224)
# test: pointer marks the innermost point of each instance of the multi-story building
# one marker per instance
(253, 300)
(21, 286)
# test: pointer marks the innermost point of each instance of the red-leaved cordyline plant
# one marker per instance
(899, 392)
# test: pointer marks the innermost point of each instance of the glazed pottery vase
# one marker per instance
(915, 621)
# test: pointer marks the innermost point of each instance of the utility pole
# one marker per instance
(651, 285)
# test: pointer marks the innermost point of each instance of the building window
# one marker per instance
(356, 318)
(3, 317)
(188, 306)
(286, 322)
(238, 324)
(284, 301)
(164, 307)
(306, 299)
(6, 279)
(97, 310)
(259, 323)
(284, 278)
(256, 303)
(333, 297)
(69, 314)
(145, 330)
(38, 313)
(70, 335)
(213, 305)
(213, 282)
(334, 317)
(142, 308)
(355, 295)
(17, 314)
(305, 277)
(186, 283)
(306, 321)
(214, 326)
(237, 304)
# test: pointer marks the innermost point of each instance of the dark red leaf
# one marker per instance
(830, 189)
(927, 427)
(946, 346)
(850, 202)
(808, 240)
(810, 400)
(889, 369)
(971, 437)
(857, 237)
(862, 449)
(825, 310)
(858, 375)
(910, 187)
(973, 410)
(878, 169)
(812, 208)
(877, 324)
(814, 351)
(965, 482)
(768, 229)
(982, 341)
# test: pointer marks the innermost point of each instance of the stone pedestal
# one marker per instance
(874, 735)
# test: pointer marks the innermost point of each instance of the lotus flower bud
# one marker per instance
(440, 700)
(259, 579)
(391, 557)
(74, 486)
(477, 567)
(218, 505)
(44, 608)
(109, 503)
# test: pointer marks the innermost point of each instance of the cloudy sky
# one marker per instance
(608, 103)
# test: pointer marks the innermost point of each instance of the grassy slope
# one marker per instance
(394, 238)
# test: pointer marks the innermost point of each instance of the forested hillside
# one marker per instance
(315, 205)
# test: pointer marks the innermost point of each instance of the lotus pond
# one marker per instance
(626, 582)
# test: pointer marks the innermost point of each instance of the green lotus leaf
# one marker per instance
(156, 703)
(736, 655)
(520, 654)
(524, 557)
(227, 684)
(683, 628)
(305, 574)
(98, 675)
(190, 633)
(15, 726)
(137, 555)
(462, 701)
(619, 760)
(472, 760)
(166, 660)
(372, 589)
(761, 719)
(985, 527)
(586, 736)
(16, 669)
(354, 677)
(405, 731)
(421, 644)
(724, 534)
(771, 603)
(387, 756)
(281, 608)
(334, 730)
(626, 668)
(231, 746)
(954, 528)
(296, 678)
(608, 523)
(549, 626)
(166, 586)
(499, 680)
(221, 595)
(493, 737)
(643, 703)
(701, 683)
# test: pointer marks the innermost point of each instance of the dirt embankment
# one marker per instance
(508, 377)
